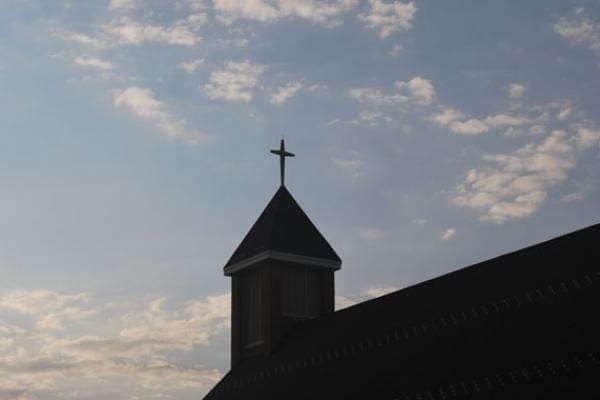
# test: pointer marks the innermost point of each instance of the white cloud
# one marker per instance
(450, 232)
(123, 5)
(587, 138)
(93, 62)
(235, 81)
(143, 104)
(194, 21)
(456, 122)
(515, 185)
(376, 97)
(370, 118)
(579, 29)
(564, 113)
(56, 321)
(156, 328)
(80, 38)
(317, 88)
(191, 65)
(229, 11)
(126, 31)
(516, 90)
(38, 301)
(367, 294)
(469, 127)
(283, 93)
(196, 5)
(421, 90)
(389, 17)
(503, 120)
(516, 119)
(136, 355)
(561, 110)
(418, 90)
(343, 302)
(378, 291)
(447, 116)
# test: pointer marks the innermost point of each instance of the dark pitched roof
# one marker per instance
(520, 326)
(283, 226)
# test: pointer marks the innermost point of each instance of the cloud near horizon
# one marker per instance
(134, 350)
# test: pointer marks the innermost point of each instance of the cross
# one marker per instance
(282, 155)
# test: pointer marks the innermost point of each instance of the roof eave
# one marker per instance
(282, 256)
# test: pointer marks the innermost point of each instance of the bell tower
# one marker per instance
(281, 273)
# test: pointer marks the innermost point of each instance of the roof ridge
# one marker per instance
(276, 208)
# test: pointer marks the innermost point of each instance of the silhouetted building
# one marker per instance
(525, 325)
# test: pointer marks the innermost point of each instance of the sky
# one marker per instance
(134, 156)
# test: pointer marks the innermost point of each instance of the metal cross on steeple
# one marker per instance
(282, 155)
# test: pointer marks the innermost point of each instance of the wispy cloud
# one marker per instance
(571, 197)
(93, 62)
(417, 90)
(142, 103)
(371, 118)
(127, 31)
(284, 93)
(235, 81)
(351, 164)
(448, 234)
(191, 65)
(80, 38)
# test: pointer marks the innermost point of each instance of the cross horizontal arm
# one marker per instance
(284, 153)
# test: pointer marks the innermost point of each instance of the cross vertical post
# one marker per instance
(282, 155)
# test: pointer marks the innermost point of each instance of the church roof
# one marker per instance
(520, 326)
(283, 227)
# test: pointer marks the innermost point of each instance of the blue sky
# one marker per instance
(134, 145)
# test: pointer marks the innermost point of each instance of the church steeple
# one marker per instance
(282, 272)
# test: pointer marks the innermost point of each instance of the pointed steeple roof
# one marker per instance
(283, 231)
